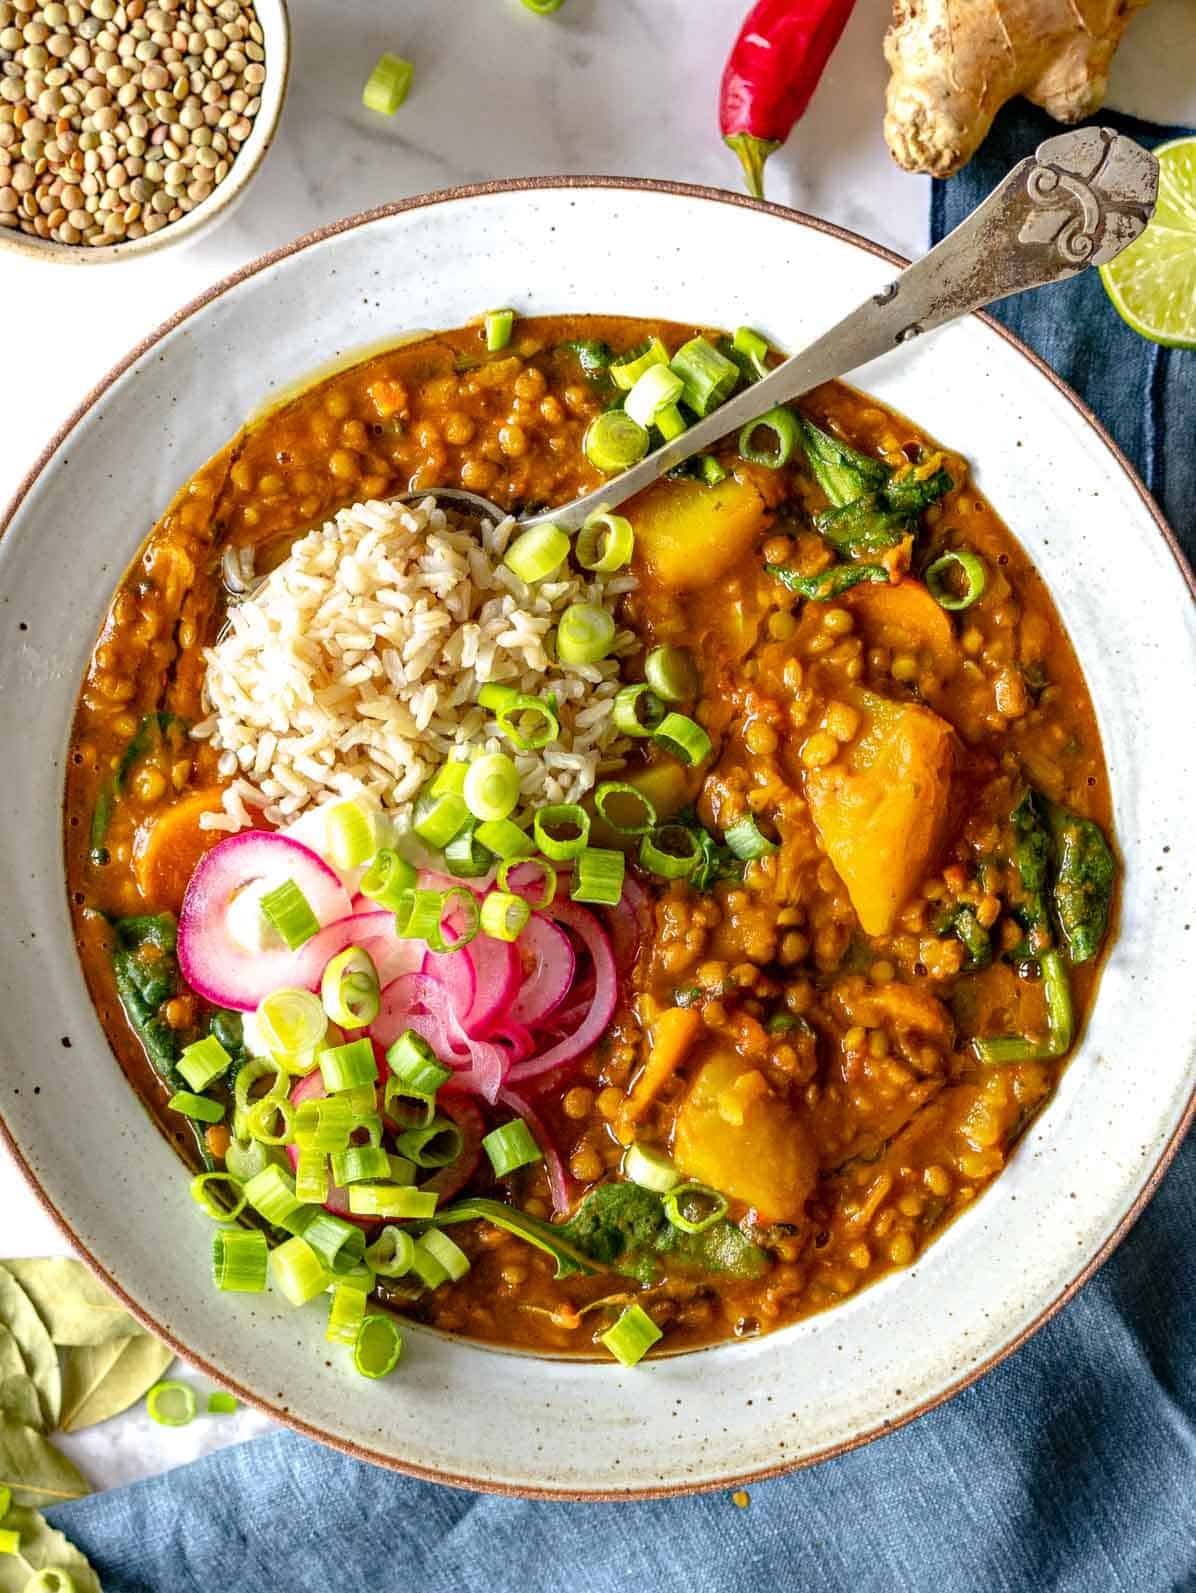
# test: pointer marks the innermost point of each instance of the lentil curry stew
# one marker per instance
(655, 936)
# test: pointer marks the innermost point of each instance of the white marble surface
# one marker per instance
(623, 87)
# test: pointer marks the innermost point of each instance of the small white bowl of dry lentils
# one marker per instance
(128, 125)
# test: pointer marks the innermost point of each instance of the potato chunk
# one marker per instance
(690, 534)
(736, 1134)
(881, 808)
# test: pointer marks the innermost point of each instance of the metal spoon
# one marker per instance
(1078, 201)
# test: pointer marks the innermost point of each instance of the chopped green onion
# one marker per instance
(171, 1403)
(544, 8)
(498, 325)
(584, 633)
(536, 553)
(338, 1245)
(391, 1200)
(614, 442)
(642, 817)
(387, 878)
(684, 738)
(548, 878)
(415, 1065)
(447, 1252)
(449, 778)
(492, 786)
(650, 1168)
(712, 471)
(401, 1170)
(288, 911)
(420, 914)
(655, 390)
(782, 423)
(567, 816)
(504, 839)
(344, 1067)
(311, 1177)
(670, 422)
(632, 1336)
(435, 1145)
(968, 568)
(670, 852)
(387, 85)
(465, 857)
(709, 377)
(10, 1543)
(345, 1314)
(323, 1124)
(746, 841)
(513, 710)
(391, 1253)
(239, 1260)
(197, 1107)
(349, 990)
(427, 1267)
(270, 1120)
(753, 347)
(627, 369)
(379, 1342)
(710, 1203)
(245, 1157)
(473, 917)
(291, 1023)
(511, 1146)
(504, 915)
(637, 710)
(439, 815)
(5, 1501)
(672, 674)
(366, 1120)
(360, 1164)
(349, 834)
(598, 876)
(51, 1580)
(201, 1193)
(298, 1273)
(407, 1106)
(256, 1069)
(272, 1195)
(222, 1404)
(605, 542)
(203, 1061)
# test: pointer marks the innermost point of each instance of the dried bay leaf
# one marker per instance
(12, 1363)
(42, 1549)
(75, 1306)
(37, 1473)
(37, 1348)
(19, 1401)
(101, 1380)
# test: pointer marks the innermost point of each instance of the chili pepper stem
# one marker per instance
(752, 152)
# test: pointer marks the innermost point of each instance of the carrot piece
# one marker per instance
(906, 618)
(673, 1034)
(171, 844)
(216, 1137)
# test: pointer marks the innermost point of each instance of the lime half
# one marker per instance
(1153, 282)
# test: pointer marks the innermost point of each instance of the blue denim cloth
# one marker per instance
(1071, 1467)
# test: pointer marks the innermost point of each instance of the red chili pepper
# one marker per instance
(772, 71)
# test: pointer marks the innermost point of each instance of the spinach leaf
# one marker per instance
(908, 495)
(1082, 888)
(866, 525)
(842, 473)
(827, 586)
(147, 976)
(966, 927)
(622, 1228)
(592, 355)
(715, 861)
(155, 732)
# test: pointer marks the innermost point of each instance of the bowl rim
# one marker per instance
(363, 1452)
(196, 222)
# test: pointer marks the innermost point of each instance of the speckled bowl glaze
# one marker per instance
(224, 198)
(492, 1419)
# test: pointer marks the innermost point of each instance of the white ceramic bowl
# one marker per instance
(225, 197)
(492, 1419)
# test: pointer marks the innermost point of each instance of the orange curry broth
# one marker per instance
(864, 1122)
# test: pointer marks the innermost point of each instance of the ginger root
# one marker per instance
(954, 64)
